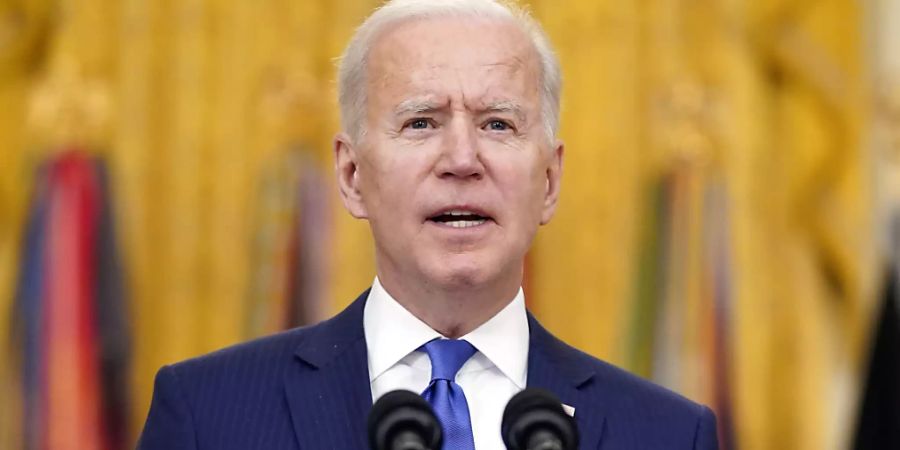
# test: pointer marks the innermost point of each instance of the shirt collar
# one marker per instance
(504, 340)
(392, 333)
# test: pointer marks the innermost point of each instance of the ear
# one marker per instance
(346, 167)
(554, 176)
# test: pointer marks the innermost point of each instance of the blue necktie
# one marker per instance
(447, 397)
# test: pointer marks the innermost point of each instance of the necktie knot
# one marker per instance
(447, 357)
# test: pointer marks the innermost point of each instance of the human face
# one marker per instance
(455, 171)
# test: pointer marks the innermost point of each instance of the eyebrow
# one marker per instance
(415, 106)
(506, 106)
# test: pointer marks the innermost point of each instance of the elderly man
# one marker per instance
(449, 151)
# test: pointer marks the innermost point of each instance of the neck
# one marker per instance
(452, 310)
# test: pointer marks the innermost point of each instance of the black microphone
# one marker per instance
(402, 420)
(534, 420)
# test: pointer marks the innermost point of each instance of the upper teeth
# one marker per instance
(457, 212)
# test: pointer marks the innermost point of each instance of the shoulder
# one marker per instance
(201, 399)
(261, 349)
(625, 391)
(638, 412)
(596, 377)
(270, 355)
(258, 360)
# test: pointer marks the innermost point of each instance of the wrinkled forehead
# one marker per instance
(486, 60)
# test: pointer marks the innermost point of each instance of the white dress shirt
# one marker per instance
(496, 372)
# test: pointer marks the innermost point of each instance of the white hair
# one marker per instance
(352, 67)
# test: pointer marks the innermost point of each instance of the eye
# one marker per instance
(418, 124)
(498, 125)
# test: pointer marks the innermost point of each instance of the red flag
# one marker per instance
(72, 373)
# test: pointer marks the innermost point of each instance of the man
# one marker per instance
(448, 149)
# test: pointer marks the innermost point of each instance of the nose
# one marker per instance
(460, 155)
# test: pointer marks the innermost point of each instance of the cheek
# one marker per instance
(400, 178)
(392, 181)
(523, 184)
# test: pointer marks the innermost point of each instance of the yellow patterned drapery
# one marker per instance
(193, 102)
(770, 98)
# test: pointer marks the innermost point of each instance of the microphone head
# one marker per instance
(536, 410)
(403, 411)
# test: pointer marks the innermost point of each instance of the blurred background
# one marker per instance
(727, 226)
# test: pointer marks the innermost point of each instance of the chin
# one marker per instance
(456, 272)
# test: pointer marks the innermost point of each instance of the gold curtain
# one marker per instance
(770, 97)
(189, 102)
(192, 101)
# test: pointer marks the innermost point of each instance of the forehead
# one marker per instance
(483, 60)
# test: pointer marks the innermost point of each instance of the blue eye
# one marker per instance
(418, 124)
(498, 125)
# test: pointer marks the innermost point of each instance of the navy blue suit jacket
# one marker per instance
(308, 389)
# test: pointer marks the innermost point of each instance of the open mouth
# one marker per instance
(460, 218)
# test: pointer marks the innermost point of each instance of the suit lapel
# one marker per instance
(328, 390)
(558, 368)
(329, 394)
